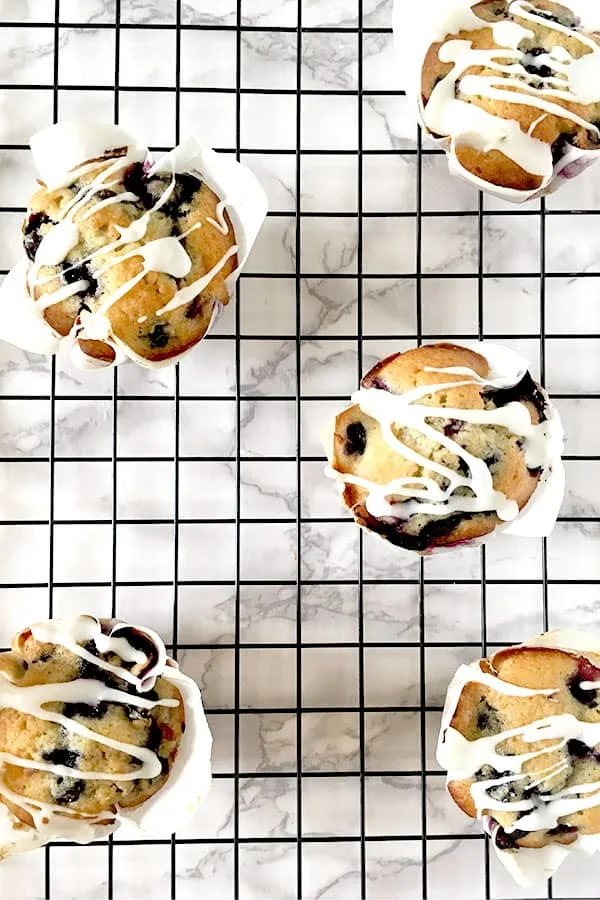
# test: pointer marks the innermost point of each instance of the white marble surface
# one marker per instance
(329, 740)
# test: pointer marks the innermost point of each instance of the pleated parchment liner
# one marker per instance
(57, 151)
(414, 34)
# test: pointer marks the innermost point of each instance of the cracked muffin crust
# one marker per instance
(512, 85)
(181, 212)
(520, 739)
(126, 257)
(437, 450)
(92, 722)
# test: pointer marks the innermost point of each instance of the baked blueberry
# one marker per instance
(356, 439)
(98, 728)
(416, 471)
(503, 90)
(546, 795)
(138, 256)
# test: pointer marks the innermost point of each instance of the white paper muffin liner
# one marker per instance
(56, 150)
(414, 35)
(166, 811)
(529, 866)
(538, 516)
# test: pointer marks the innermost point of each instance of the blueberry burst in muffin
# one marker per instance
(510, 86)
(97, 725)
(520, 739)
(443, 445)
(127, 257)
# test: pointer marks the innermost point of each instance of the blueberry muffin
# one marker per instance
(92, 722)
(511, 86)
(439, 449)
(520, 739)
(127, 258)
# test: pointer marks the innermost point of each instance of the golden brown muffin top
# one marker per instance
(128, 259)
(517, 76)
(426, 456)
(88, 705)
(517, 755)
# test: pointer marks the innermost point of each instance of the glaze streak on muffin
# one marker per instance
(140, 642)
(149, 189)
(505, 793)
(90, 670)
(72, 273)
(32, 238)
(566, 20)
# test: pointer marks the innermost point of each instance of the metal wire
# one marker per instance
(425, 775)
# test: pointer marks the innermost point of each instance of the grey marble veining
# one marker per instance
(287, 699)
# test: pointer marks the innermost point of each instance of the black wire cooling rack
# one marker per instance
(403, 861)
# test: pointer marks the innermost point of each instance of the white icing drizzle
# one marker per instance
(532, 865)
(573, 79)
(524, 10)
(463, 758)
(70, 633)
(40, 811)
(423, 493)
(459, 755)
(165, 255)
(535, 123)
(62, 243)
(220, 223)
(162, 255)
(62, 293)
(169, 808)
(473, 672)
(99, 183)
(123, 197)
(33, 699)
(186, 294)
(56, 244)
(58, 151)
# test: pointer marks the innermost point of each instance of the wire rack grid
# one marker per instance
(193, 500)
